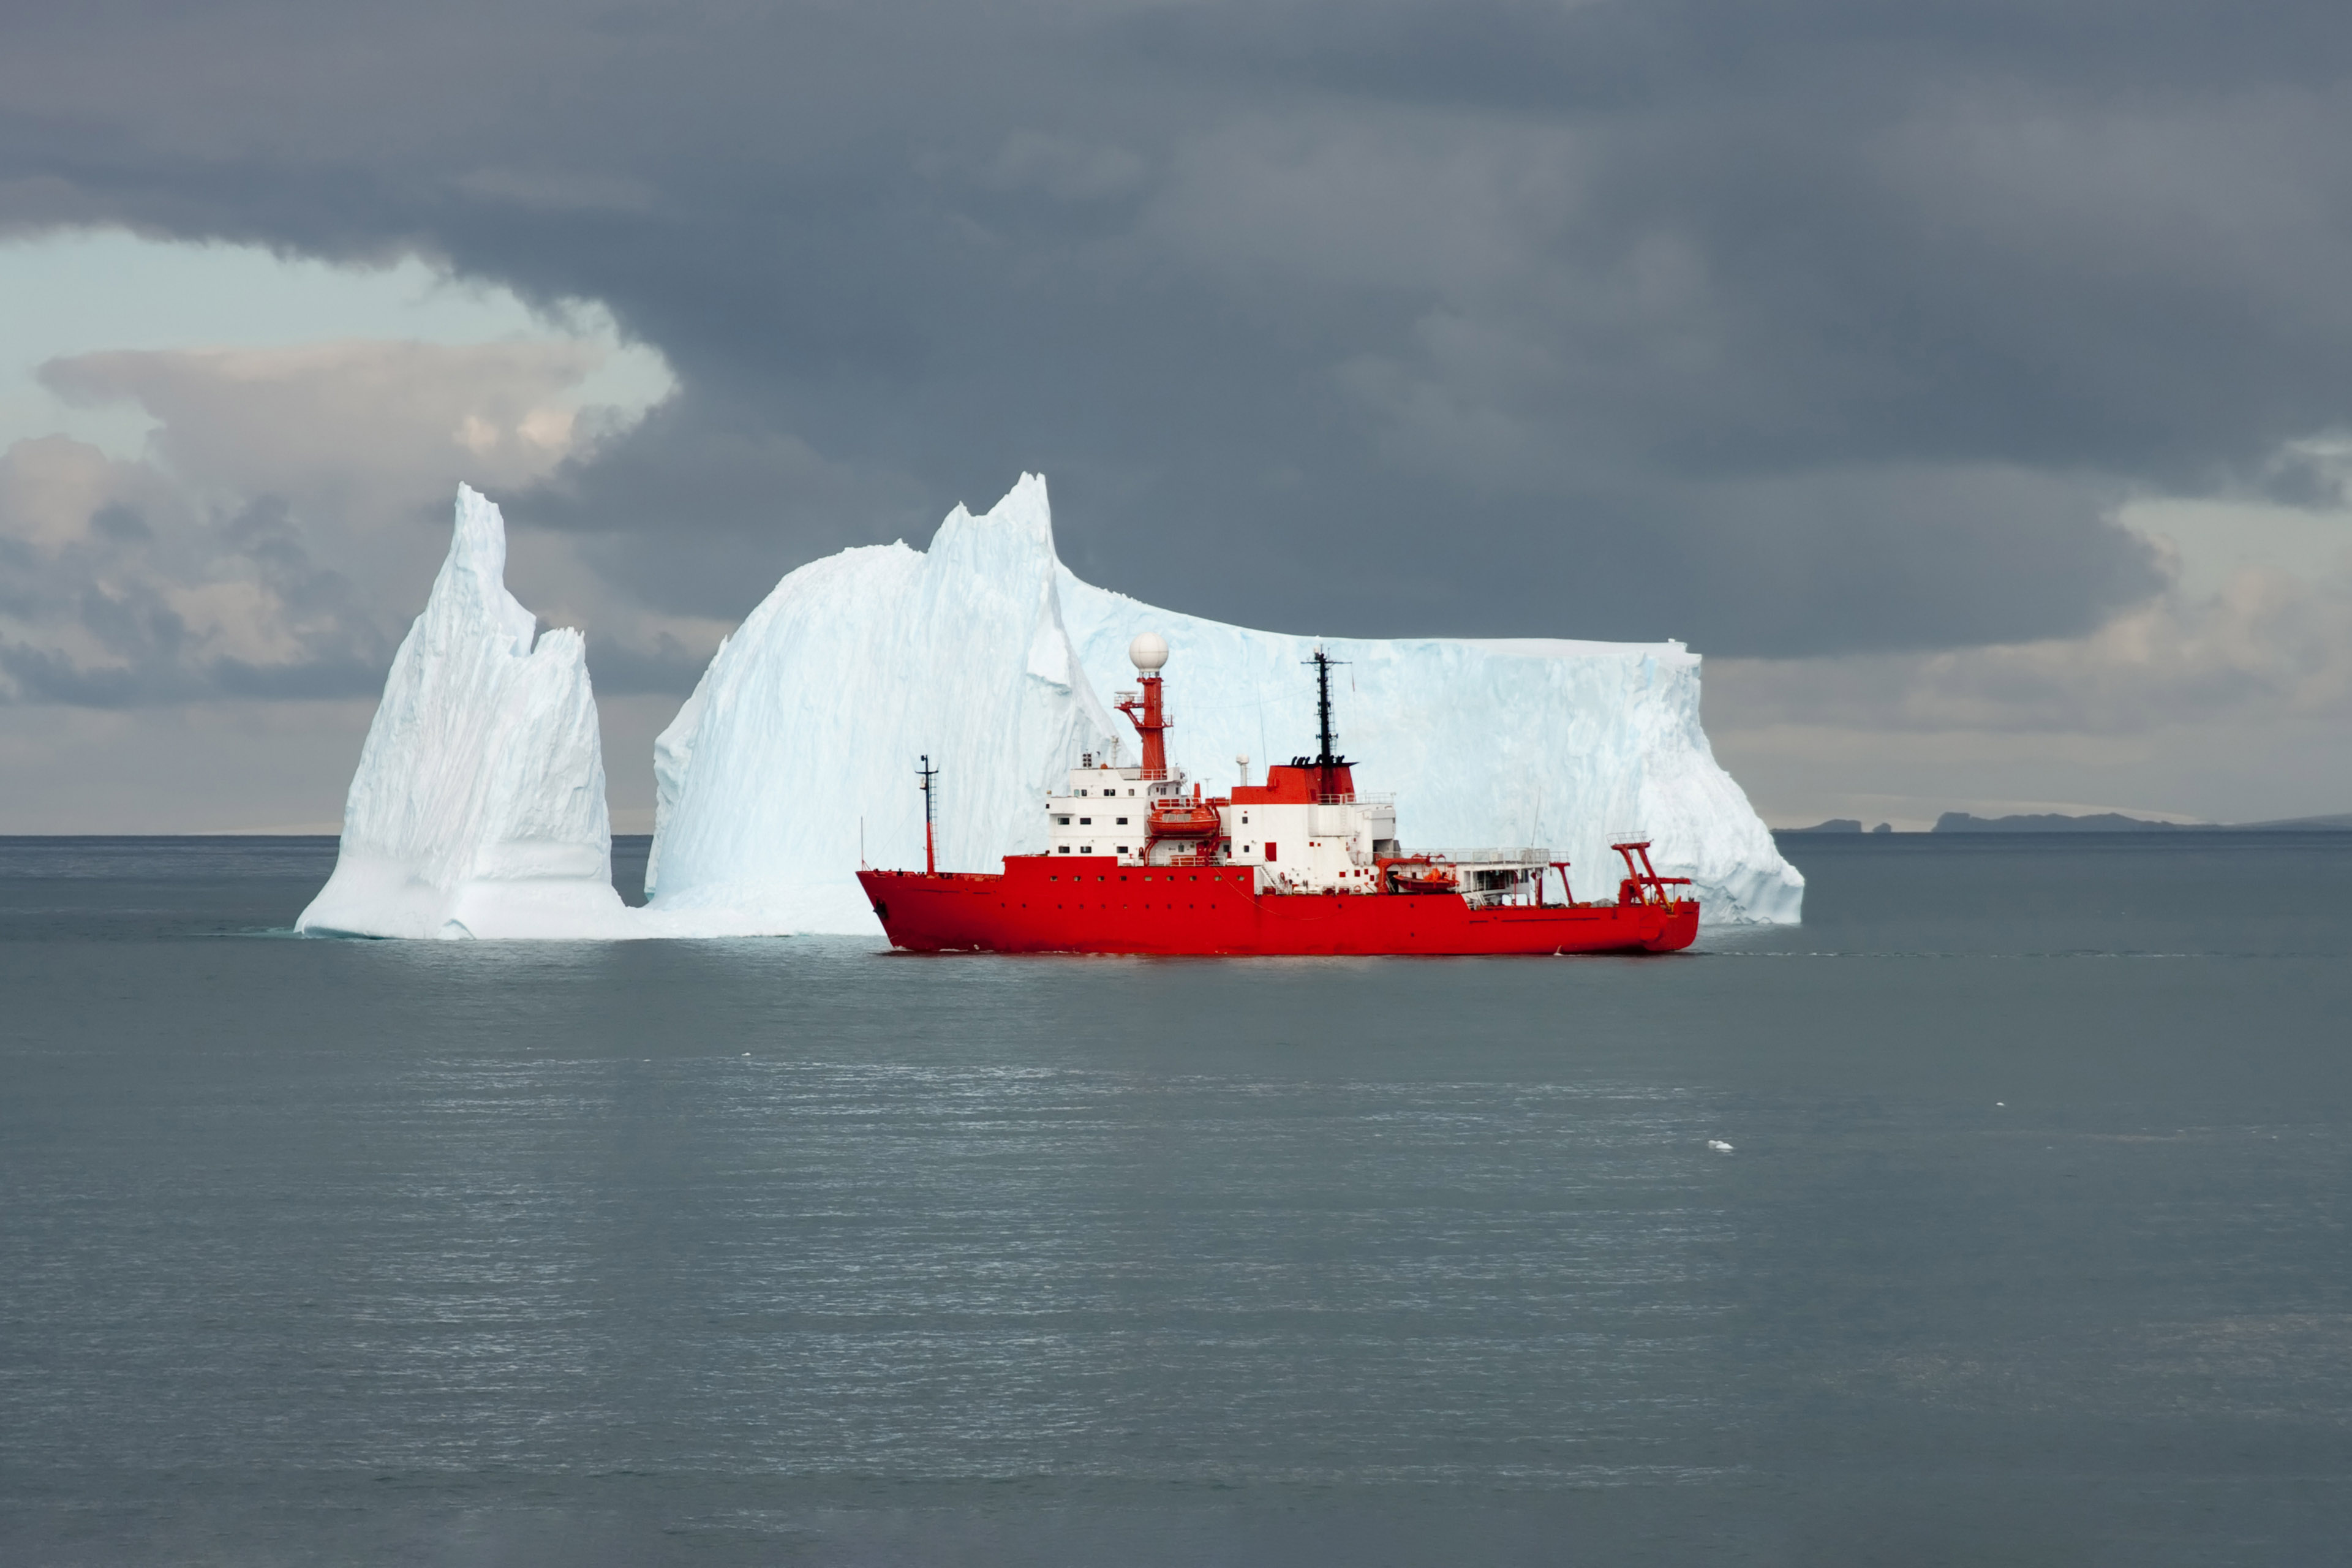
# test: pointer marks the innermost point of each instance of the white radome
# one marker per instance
(1148, 652)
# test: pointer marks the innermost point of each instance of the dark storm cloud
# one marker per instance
(1784, 328)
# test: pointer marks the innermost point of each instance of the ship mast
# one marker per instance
(927, 774)
(1328, 760)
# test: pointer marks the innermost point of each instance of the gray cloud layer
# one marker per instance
(114, 593)
(1786, 328)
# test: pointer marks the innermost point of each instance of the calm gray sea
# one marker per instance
(2029, 1246)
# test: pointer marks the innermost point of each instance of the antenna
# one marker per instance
(931, 857)
(1329, 757)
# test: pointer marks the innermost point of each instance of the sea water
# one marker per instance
(1998, 1214)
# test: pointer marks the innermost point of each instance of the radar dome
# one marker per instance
(1148, 651)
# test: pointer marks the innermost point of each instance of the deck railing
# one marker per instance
(1492, 856)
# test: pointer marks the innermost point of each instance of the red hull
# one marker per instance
(1040, 904)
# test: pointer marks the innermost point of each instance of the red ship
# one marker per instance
(1138, 863)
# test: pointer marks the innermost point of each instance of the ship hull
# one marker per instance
(1039, 904)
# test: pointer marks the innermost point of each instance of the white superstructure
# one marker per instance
(1106, 810)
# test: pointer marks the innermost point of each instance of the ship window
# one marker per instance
(1085, 821)
(1122, 822)
(1066, 849)
(1082, 791)
(1061, 822)
(1130, 791)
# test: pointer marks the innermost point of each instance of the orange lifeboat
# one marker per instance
(1193, 818)
(1418, 874)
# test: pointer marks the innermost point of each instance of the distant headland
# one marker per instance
(2092, 822)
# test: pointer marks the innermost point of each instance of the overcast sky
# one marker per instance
(1970, 383)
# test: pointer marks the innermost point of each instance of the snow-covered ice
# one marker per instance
(479, 807)
(987, 654)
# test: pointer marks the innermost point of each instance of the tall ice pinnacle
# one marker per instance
(479, 807)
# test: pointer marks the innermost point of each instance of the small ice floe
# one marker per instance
(1718, 1145)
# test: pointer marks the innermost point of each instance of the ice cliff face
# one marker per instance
(1485, 743)
(805, 732)
(479, 807)
(979, 651)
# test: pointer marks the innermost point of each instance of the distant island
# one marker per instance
(2057, 821)
(2093, 822)
(2115, 821)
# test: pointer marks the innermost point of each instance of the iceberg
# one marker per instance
(479, 807)
(795, 757)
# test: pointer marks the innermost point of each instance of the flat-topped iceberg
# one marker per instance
(1485, 743)
(479, 807)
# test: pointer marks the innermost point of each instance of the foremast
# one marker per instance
(1333, 782)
